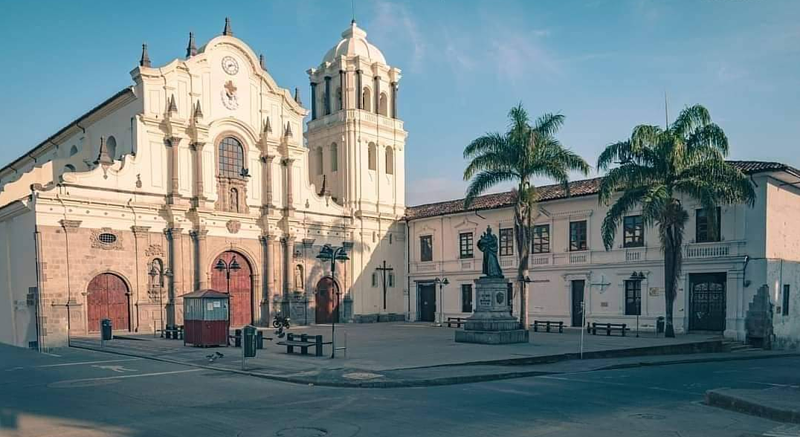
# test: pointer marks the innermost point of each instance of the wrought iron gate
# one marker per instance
(707, 302)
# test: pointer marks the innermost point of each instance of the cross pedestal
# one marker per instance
(491, 322)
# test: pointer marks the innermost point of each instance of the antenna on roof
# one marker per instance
(353, 9)
(666, 112)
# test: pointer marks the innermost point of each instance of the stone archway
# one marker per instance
(107, 298)
(326, 310)
(240, 288)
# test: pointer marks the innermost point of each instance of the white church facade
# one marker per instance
(198, 176)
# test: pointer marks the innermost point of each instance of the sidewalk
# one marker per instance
(780, 403)
(411, 355)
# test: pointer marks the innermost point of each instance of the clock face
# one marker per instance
(230, 65)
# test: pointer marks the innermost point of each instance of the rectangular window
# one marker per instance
(541, 239)
(466, 298)
(577, 235)
(507, 242)
(390, 279)
(707, 231)
(465, 245)
(426, 248)
(785, 306)
(375, 279)
(633, 231)
(633, 298)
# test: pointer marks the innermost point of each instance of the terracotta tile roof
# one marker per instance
(578, 188)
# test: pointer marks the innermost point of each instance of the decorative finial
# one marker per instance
(103, 157)
(267, 126)
(288, 132)
(227, 31)
(297, 95)
(191, 49)
(261, 62)
(172, 107)
(145, 61)
(198, 111)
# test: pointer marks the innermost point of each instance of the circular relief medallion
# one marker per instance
(229, 65)
(500, 297)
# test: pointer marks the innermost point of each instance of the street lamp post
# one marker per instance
(441, 283)
(160, 272)
(333, 254)
(638, 297)
(222, 266)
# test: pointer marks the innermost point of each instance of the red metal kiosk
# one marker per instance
(205, 316)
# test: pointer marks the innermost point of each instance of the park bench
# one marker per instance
(458, 321)
(303, 341)
(547, 324)
(608, 327)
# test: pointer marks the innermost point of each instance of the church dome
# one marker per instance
(354, 43)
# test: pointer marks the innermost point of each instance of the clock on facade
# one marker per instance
(230, 65)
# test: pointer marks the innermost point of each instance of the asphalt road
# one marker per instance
(86, 394)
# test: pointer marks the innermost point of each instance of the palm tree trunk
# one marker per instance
(521, 230)
(671, 272)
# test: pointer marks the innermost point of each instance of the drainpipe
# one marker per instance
(408, 271)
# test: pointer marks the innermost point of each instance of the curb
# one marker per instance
(441, 381)
(741, 405)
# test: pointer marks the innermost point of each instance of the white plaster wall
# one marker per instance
(17, 275)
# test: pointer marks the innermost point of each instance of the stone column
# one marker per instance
(198, 172)
(287, 163)
(288, 257)
(327, 97)
(266, 267)
(175, 265)
(342, 89)
(359, 90)
(267, 161)
(377, 94)
(174, 185)
(313, 101)
(200, 252)
(394, 100)
(140, 236)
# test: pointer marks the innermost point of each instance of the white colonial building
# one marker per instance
(202, 163)
(569, 266)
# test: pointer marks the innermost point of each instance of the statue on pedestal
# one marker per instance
(488, 245)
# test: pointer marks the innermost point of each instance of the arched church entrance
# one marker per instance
(238, 283)
(326, 309)
(107, 298)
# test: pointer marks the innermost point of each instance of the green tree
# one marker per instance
(655, 168)
(525, 151)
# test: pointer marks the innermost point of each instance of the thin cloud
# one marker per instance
(392, 23)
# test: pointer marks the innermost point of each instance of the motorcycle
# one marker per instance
(280, 322)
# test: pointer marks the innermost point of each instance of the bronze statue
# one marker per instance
(488, 245)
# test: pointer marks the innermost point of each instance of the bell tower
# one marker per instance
(356, 140)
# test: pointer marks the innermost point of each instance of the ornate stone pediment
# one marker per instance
(154, 250)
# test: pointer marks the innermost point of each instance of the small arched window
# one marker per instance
(383, 105)
(231, 158)
(389, 161)
(334, 157)
(318, 161)
(73, 151)
(366, 103)
(69, 168)
(234, 197)
(371, 157)
(111, 147)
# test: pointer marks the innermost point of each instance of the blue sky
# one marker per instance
(605, 64)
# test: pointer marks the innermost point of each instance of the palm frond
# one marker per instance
(490, 160)
(490, 142)
(616, 213)
(483, 181)
(709, 136)
(548, 124)
(690, 119)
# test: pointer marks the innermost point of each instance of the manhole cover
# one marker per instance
(83, 383)
(362, 375)
(648, 416)
(301, 432)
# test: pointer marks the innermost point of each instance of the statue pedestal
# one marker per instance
(491, 323)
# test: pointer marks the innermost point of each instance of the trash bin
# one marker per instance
(660, 324)
(249, 341)
(105, 329)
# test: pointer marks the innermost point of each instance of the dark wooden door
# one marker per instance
(107, 298)
(577, 302)
(326, 310)
(241, 288)
(427, 303)
(707, 301)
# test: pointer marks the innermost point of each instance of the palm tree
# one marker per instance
(524, 152)
(655, 168)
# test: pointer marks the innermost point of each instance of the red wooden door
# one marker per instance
(107, 298)
(326, 301)
(241, 288)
